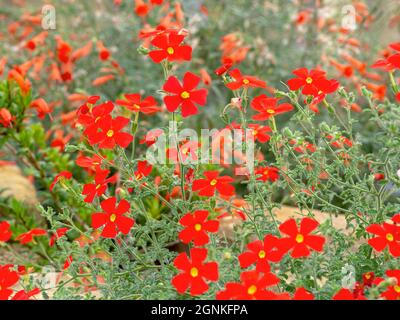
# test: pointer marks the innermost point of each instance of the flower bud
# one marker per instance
(143, 51)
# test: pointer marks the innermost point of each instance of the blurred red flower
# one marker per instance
(267, 174)
(60, 232)
(260, 133)
(5, 232)
(8, 278)
(393, 291)
(253, 286)
(346, 294)
(29, 236)
(6, 118)
(61, 175)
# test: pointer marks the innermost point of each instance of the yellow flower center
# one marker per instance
(252, 290)
(110, 133)
(246, 81)
(194, 272)
(261, 254)
(136, 107)
(113, 217)
(98, 186)
(299, 238)
(367, 276)
(213, 182)
(309, 80)
(397, 288)
(270, 111)
(266, 172)
(170, 50)
(389, 237)
(185, 95)
(197, 227)
(185, 150)
(255, 132)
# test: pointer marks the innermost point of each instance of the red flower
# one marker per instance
(28, 236)
(135, 103)
(188, 152)
(368, 278)
(313, 83)
(41, 107)
(63, 175)
(300, 240)
(223, 69)
(194, 272)
(113, 218)
(143, 170)
(184, 95)
(89, 162)
(67, 262)
(6, 118)
(268, 107)
(151, 137)
(60, 232)
(253, 286)
(197, 227)
(260, 132)
(99, 186)
(25, 295)
(88, 115)
(8, 279)
(390, 63)
(302, 294)
(260, 253)
(346, 294)
(141, 8)
(104, 53)
(267, 174)
(393, 292)
(388, 235)
(206, 187)
(170, 48)
(5, 232)
(244, 81)
(110, 133)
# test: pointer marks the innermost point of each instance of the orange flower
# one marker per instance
(3, 62)
(82, 52)
(41, 107)
(24, 84)
(102, 80)
(205, 77)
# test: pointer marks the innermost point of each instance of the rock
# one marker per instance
(14, 184)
